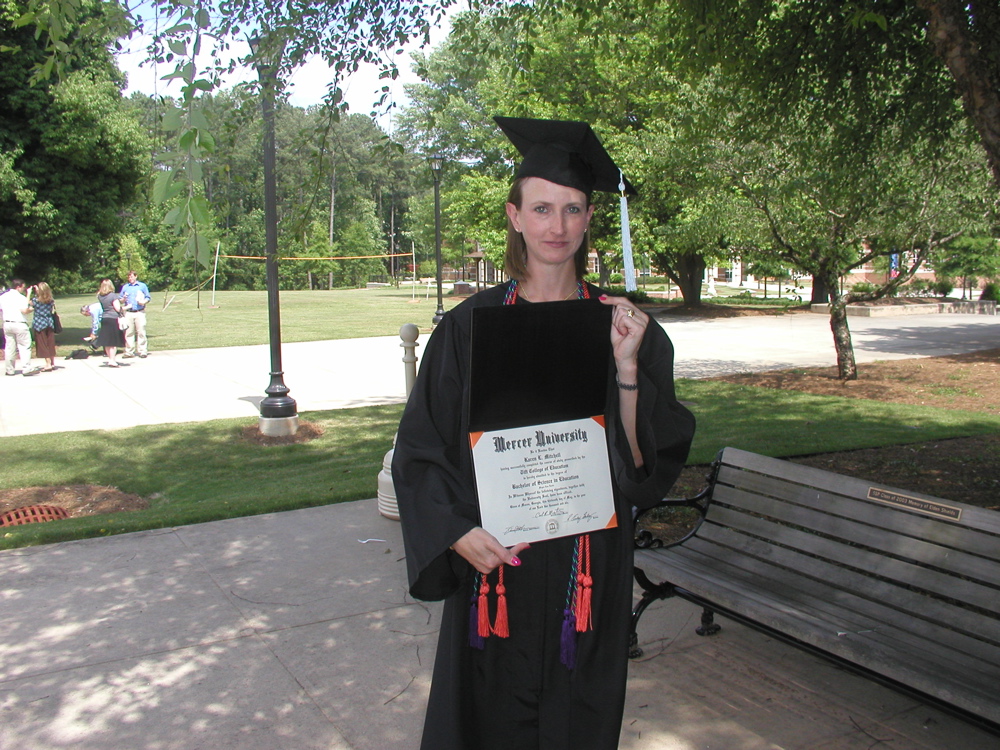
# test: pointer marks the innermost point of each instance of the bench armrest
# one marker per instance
(647, 539)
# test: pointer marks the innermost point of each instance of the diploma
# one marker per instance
(538, 389)
(544, 481)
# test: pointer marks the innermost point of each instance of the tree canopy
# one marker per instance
(71, 157)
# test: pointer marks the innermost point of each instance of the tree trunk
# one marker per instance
(820, 293)
(603, 274)
(847, 368)
(954, 37)
(689, 271)
(333, 202)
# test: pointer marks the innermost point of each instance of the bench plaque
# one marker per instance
(920, 505)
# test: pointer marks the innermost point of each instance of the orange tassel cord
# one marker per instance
(484, 609)
(501, 627)
(584, 587)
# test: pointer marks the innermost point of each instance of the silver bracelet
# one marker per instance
(626, 386)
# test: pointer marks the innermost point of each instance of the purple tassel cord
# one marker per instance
(567, 642)
(475, 640)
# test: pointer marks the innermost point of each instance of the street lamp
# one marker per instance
(437, 162)
(278, 414)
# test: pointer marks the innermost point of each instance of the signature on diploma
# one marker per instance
(581, 517)
(550, 513)
(519, 528)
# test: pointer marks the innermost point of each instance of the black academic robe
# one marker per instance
(516, 693)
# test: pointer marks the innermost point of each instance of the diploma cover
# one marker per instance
(538, 385)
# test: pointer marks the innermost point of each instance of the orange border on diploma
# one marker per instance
(613, 521)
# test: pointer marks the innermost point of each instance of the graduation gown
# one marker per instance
(515, 693)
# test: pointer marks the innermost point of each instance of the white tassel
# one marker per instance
(626, 238)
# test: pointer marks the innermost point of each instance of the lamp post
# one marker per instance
(437, 162)
(278, 413)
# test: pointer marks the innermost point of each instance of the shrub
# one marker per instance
(638, 297)
(942, 287)
(863, 287)
(991, 291)
(916, 288)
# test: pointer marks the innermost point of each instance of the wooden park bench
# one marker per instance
(899, 586)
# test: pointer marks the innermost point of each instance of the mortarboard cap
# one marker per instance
(564, 152)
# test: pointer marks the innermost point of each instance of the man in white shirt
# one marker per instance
(15, 306)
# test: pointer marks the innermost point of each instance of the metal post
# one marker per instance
(437, 162)
(278, 413)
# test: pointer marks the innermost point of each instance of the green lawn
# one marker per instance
(183, 320)
(235, 478)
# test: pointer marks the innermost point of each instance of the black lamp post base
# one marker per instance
(278, 411)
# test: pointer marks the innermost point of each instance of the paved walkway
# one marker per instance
(293, 630)
(195, 385)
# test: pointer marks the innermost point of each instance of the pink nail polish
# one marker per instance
(604, 296)
(515, 561)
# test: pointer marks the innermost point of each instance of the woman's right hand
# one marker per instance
(484, 552)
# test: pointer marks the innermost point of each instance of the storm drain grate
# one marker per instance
(33, 514)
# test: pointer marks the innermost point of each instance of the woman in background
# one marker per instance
(43, 324)
(110, 336)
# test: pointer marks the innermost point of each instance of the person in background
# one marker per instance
(110, 336)
(95, 313)
(15, 305)
(134, 298)
(43, 324)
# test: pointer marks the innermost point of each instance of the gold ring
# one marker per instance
(630, 313)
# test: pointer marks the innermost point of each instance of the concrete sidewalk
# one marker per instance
(195, 385)
(293, 630)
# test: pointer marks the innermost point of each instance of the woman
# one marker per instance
(524, 690)
(110, 336)
(43, 324)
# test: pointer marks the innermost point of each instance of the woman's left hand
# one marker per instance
(628, 326)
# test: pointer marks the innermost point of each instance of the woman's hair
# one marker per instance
(515, 259)
(42, 292)
(106, 288)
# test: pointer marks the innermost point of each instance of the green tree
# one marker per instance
(843, 117)
(131, 257)
(969, 259)
(828, 214)
(474, 217)
(71, 157)
(361, 239)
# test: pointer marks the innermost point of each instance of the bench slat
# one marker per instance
(885, 517)
(960, 681)
(876, 604)
(838, 484)
(933, 581)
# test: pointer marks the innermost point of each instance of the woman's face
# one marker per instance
(552, 219)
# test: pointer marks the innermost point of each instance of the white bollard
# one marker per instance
(387, 505)
(409, 333)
